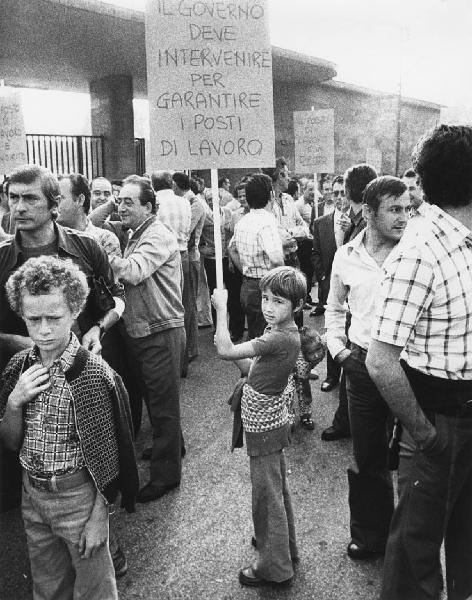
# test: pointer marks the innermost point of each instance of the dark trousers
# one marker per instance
(251, 297)
(233, 282)
(186, 304)
(116, 351)
(305, 248)
(159, 357)
(370, 481)
(435, 504)
(333, 369)
(341, 416)
(192, 330)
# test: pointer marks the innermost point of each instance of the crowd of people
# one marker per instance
(103, 286)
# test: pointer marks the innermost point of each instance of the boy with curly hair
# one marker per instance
(68, 413)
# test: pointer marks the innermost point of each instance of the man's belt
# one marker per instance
(448, 397)
(58, 483)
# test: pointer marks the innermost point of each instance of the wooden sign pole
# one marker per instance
(217, 229)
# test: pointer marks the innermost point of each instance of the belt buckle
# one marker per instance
(40, 483)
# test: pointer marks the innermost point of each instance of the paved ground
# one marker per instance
(190, 544)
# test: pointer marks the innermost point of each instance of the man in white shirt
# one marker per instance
(355, 278)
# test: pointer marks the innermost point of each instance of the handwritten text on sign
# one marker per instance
(12, 133)
(314, 141)
(209, 84)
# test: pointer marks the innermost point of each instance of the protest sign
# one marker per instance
(314, 141)
(209, 84)
(12, 132)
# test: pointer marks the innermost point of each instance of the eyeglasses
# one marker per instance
(339, 193)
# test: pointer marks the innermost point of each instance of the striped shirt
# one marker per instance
(425, 299)
(174, 211)
(51, 444)
(257, 240)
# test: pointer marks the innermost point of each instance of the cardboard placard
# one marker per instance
(314, 141)
(12, 132)
(209, 84)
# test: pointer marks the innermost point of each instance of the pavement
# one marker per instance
(190, 544)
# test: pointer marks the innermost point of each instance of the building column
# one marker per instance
(112, 117)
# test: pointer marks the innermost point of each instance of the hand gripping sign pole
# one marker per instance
(217, 229)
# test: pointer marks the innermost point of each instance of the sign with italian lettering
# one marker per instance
(209, 66)
(314, 141)
(12, 132)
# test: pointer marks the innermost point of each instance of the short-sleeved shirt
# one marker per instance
(425, 300)
(276, 354)
(257, 239)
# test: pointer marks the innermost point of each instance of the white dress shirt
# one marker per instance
(355, 280)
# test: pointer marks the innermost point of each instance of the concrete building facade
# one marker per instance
(89, 46)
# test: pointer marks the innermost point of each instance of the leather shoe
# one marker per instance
(249, 577)
(331, 433)
(328, 384)
(360, 553)
(318, 311)
(153, 492)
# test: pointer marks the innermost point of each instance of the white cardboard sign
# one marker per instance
(209, 84)
(12, 132)
(314, 141)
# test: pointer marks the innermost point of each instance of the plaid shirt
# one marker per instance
(257, 240)
(51, 445)
(425, 300)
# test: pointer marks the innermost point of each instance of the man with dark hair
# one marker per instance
(410, 179)
(74, 208)
(328, 235)
(34, 197)
(256, 248)
(101, 191)
(224, 185)
(154, 319)
(356, 273)
(420, 360)
(355, 180)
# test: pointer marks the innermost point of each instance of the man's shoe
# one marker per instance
(331, 433)
(249, 577)
(150, 492)
(313, 376)
(328, 384)
(318, 311)
(120, 564)
(359, 553)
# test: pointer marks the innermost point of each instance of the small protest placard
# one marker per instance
(314, 141)
(209, 84)
(12, 132)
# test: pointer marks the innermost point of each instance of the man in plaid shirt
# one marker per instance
(421, 361)
(257, 248)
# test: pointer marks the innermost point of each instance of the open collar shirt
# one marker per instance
(425, 299)
(355, 278)
(51, 445)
